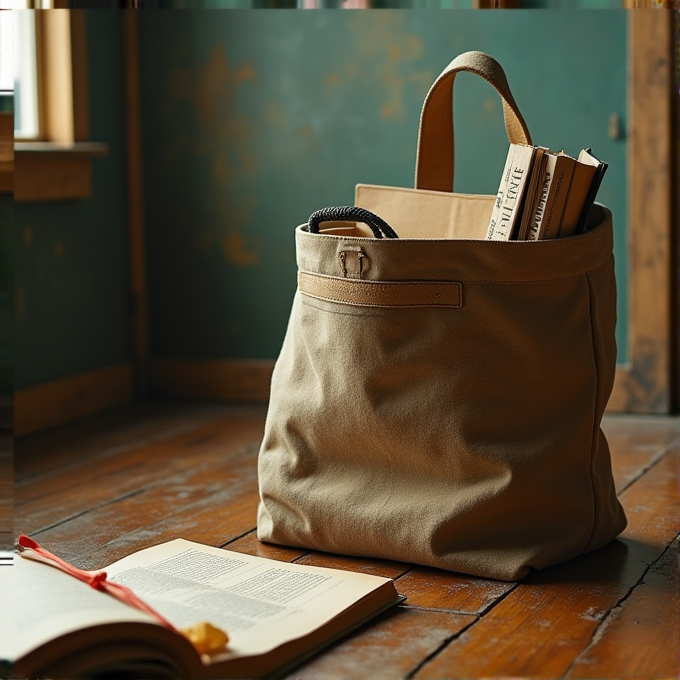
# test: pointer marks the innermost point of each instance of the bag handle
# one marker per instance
(435, 159)
(351, 213)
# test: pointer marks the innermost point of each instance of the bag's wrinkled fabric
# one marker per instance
(464, 436)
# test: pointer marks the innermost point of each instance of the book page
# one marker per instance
(259, 603)
(46, 603)
(7, 603)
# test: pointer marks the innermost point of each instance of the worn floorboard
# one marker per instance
(634, 639)
(103, 488)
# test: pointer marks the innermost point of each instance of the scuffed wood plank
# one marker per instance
(438, 589)
(538, 629)
(207, 506)
(85, 443)
(636, 442)
(640, 638)
(365, 565)
(251, 546)
(42, 454)
(388, 647)
(220, 520)
(550, 618)
(652, 505)
(61, 496)
(190, 472)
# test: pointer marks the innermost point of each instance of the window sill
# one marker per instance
(47, 171)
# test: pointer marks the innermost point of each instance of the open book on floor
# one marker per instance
(275, 613)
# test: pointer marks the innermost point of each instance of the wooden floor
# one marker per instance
(101, 489)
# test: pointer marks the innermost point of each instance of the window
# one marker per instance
(43, 58)
(18, 69)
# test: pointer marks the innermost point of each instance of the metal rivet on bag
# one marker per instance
(353, 262)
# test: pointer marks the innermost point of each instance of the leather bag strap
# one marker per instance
(436, 154)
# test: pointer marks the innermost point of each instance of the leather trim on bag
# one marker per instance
(381, 293)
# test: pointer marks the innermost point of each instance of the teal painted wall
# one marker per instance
(252, 120)
(378, 4)
(71, 257)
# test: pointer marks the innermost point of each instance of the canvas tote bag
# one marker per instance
(438, 397)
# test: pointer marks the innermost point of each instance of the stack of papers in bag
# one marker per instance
(544, 195)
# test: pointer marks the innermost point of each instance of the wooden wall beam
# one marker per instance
(643, 385)
(138, 295)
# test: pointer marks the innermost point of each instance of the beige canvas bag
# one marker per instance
(438, 397)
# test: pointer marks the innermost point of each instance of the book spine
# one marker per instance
(500, 196)
(590, 199)
(508, 204)
(559, 189)
(586, 156)
(533, 193)
(581, 181)
(534, 233)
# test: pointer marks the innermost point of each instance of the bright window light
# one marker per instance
(6, 58)
(18, 69)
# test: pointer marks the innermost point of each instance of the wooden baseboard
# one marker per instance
(620, 399)
(225, 380)
(246, 380)
(54, 403)
(635, 392)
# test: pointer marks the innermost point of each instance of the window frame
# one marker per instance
(57, 164)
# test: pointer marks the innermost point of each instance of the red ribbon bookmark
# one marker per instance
(95, 579)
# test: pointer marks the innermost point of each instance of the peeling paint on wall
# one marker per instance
(331, 82)
(386, 41)
(224, 139)
(275, 116)
(254, 120)
(311, 138)
(237, 250)
(216, 84)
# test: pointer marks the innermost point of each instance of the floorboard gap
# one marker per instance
(655, 459)
(236, 538)
(442, 647)
(131, 494)
(601, 627)
(453, 637)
